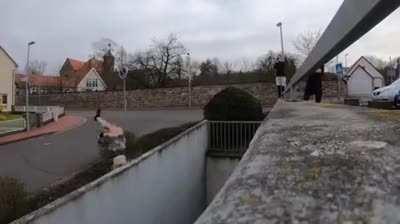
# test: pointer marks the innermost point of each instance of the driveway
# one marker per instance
(42, 161)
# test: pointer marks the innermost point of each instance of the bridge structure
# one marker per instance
(308, 163)
(353, 20)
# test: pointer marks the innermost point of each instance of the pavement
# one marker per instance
(42, 161)
(63, 124)
(311, 163)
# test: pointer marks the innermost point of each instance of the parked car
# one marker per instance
(389, 93)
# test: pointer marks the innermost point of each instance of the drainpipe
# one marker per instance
(13, 89)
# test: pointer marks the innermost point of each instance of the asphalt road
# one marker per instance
(42, 161)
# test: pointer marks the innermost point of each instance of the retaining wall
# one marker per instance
(166, 185)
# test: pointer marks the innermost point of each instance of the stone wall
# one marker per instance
(150, 98)
(159, 98)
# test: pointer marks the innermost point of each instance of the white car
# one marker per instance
(389, 94)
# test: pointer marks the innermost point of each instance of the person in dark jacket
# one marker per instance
(314, 86)
(280, 78)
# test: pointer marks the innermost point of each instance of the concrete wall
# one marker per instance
(166, 185)
(219, 169)
(329, 87)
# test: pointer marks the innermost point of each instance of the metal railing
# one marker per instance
(18, 124)
(231, 138)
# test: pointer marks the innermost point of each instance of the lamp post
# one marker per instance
(123, 74)
(27, 70)
(281, 81)
(189, 72)
(281, 32)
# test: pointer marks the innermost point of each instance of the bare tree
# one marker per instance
(244, 65)
(37, 67)
(227, 68)
(162, 61)
(102, 46)
(377, 62)
(208, 68)
(266, 62)
(306, 41)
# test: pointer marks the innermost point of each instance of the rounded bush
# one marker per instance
(233, 104)
(13, 199)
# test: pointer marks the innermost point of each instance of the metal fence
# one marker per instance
(231, 137)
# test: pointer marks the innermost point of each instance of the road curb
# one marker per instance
(27, 138)
(81, 123)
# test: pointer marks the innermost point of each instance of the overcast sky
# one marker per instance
(228, 29)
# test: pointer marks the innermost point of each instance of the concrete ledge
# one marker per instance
(314, 163)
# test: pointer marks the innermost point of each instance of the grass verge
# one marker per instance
(9, 116)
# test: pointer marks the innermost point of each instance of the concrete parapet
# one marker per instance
(312, 163)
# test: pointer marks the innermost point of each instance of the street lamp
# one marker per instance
(27, 71)
(345, 59)
(281, 32)
(281, 80)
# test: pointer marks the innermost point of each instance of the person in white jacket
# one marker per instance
(111, 137)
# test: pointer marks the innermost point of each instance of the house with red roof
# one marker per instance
(80, 76)
(38, 84)
(75, 76)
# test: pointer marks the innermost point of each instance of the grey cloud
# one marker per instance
(229, 29)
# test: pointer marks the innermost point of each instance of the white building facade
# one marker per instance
(92, 81)
(363, 78)
(7, 80)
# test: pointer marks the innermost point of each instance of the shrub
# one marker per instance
(13, 199)
(130, 139)
(233, 104)
(147, 142)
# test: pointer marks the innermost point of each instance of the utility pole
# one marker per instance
(123, 74)
(339, 78)
(27, 70)
(189, 72)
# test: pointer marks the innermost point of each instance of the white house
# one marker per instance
(363, 78)
(7, 80)
(92, 81)
(77, 76)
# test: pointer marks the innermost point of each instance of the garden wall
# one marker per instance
(149, 98)
(161, 97)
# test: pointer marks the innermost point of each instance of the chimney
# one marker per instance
(108, 62)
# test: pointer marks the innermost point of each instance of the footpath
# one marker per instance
(63, 124)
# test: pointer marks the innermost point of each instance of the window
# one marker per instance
(92, 83)
(4, 99)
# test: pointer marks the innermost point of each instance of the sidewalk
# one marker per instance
(63, 124)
